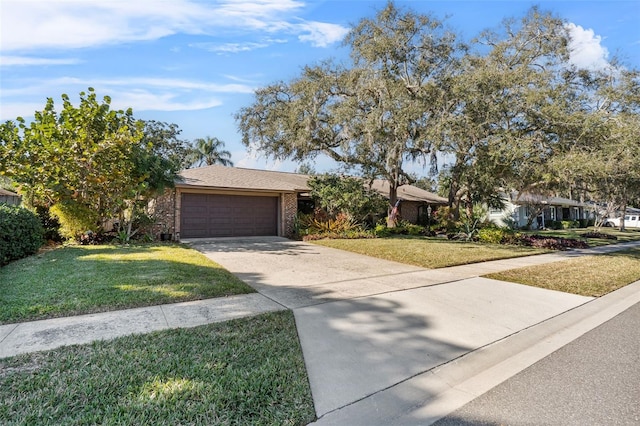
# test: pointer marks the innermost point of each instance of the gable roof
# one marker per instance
(238, 178)
(241, 179)
(529, 198)
(408, 193)
(5, 192)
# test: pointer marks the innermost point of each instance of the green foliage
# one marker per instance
(401, 228)
(495, 235)
(321, 224)
(75, 219)
(21, 233)
(208, 151)
(100, 160)
(372, 114)
(348, 195)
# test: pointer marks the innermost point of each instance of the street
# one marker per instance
(594, 380)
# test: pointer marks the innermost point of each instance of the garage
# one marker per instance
(217, 215)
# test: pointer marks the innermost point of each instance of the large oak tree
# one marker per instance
(371, 115)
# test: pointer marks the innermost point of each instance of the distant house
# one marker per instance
(8, 197)
(219, 201)
(537, 211)
(415, 202)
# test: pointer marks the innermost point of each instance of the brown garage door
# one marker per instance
(204, 215)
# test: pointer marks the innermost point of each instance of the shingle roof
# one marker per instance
(529, 198)
(8, 193)
(238, 178)
(409, 193)
(218, 176)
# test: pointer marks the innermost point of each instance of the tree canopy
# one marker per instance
(89, 160)
(371, 116)
(507, 111)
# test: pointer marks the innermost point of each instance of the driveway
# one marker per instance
(368, 325)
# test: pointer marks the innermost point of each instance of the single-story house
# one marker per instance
(219, 201)
(8, 197)
(520, 206)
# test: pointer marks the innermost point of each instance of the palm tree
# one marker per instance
(209, 151)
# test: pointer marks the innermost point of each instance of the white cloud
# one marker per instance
(6, 61)
(586, 48)
(229, 47)
(322, 34)
(138, 93)
(64, 24)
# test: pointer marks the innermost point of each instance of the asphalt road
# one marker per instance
(595, 380)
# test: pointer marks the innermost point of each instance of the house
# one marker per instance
(537, 211)
(219, 201)
(8, 197)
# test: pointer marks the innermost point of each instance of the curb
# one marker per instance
(433, 394)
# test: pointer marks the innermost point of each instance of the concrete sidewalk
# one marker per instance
(48, 334)
(384, 342)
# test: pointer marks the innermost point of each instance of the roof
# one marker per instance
(529, 198)
(218, 176)
(237, 178)
(408, 193)
(8, 193)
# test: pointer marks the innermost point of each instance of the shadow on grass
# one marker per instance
(82, 280)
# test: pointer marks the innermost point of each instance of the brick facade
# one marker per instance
(289, 207)
(163, 209)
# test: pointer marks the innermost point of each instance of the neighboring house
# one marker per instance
(415, 203)
(520, 207)
(8, 197)
(219, 201)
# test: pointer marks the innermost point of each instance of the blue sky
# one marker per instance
(196, 63)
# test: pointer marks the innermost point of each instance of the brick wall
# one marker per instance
(289, 211)
(409, 211)
(162, 209)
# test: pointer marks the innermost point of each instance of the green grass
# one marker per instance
(622, 237)
(247, 371)
(429, 253)
(588, 276)
(75, 280)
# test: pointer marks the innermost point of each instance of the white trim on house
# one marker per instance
(518, 209)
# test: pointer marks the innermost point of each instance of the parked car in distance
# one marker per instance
(630, 221)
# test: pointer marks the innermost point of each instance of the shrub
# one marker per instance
(21, 233)
(75, 219)
(50, 224)
(492, 235)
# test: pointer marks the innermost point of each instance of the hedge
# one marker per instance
(21, 233)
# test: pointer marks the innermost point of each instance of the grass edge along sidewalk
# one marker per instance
(592, 275)
(76, 280)
(245, 371)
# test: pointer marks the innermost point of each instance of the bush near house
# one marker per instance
(21, 233)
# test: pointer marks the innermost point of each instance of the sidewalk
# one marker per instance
(48, 334)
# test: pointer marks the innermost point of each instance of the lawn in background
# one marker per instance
(631, 234)
(588, 276)
(76, 280)
(242, 372)
(429, 252)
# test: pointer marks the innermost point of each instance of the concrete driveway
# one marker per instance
(369, 326)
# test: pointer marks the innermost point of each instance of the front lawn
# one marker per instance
(247, 371)
(588, 276)
(76, 280)
(578, 234)
(429, 252)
